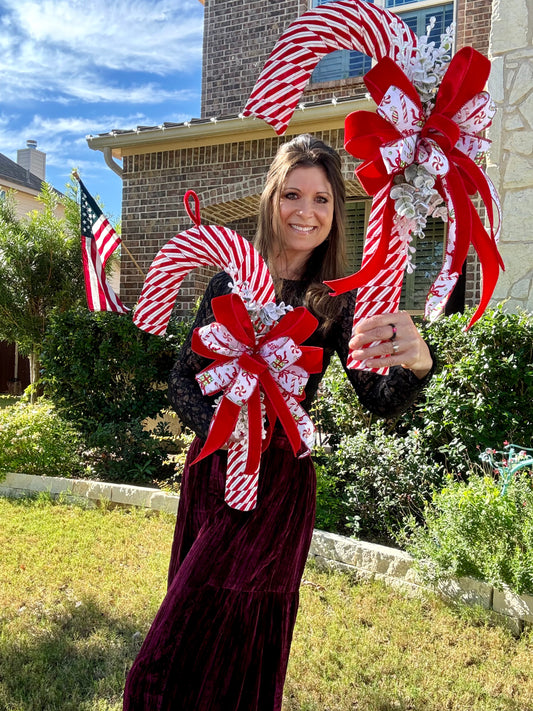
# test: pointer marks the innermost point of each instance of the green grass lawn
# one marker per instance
(79, 588)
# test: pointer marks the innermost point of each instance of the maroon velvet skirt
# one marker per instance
(221, 638)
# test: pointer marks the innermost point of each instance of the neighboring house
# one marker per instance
(24, 179)
(224, 157)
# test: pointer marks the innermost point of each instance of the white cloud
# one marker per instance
(70, 49)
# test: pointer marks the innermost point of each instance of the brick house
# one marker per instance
(224, 157)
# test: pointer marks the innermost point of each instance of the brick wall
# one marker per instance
(473, 24)
(238, 37)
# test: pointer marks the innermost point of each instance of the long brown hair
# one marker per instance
(328, 260)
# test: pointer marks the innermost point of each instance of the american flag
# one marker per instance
(98, 242)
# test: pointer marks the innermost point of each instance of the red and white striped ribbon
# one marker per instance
(203, 245)
(347, 24)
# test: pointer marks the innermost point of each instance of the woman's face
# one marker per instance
(305, 212)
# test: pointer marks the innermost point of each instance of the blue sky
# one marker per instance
(71, 68)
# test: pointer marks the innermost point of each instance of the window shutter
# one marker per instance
(357, 212)
(428, 260)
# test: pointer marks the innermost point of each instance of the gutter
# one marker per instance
(202, 132)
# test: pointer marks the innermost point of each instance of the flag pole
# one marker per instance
(76, 176)
(130, 255)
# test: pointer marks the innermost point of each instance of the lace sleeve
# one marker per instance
(194, 409)
(385, 395)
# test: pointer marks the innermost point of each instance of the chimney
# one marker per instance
(32, 159)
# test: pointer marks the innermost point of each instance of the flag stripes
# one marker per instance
(98, 242)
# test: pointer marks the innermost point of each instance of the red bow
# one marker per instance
(244, 365)
(447, 144)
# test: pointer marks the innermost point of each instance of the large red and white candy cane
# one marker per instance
(353, 25)
(348, 24)
(206, 245)
(200, 246)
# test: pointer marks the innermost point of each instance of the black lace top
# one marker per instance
(384, 395)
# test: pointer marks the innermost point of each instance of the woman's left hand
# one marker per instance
(397, 342)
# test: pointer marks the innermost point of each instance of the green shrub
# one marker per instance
(331, 510)
(483, 392)
(381, 479)
(337, 411)
(106, 376)
(99, 367)
(34, 439)
(472, 529)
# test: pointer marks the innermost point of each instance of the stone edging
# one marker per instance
(359, 558)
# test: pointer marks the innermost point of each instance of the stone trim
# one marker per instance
(362, 560)
(94, 492)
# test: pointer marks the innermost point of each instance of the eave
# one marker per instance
(204, 132)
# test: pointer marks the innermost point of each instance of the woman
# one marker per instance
(221, 639)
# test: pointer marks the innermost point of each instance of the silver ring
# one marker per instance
(395, 347)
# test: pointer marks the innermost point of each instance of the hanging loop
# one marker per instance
(195, 216)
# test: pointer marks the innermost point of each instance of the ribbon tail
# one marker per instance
(281, 409)
(222, 425)
(460, 210)
(490, 264)
(488, 194)
(376, 245)
(255, 428)
(446, 279)
(305, 425)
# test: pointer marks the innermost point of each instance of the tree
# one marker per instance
(40, 270)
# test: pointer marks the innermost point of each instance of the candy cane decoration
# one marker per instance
(200, 246)
(352, 24)
(443, 137)
(279, 366)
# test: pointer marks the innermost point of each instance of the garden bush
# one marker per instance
(382, 479)
(106, 376)
(337, 411)
(481, 395)
(35, 439)
(483, 392)
(472, 528)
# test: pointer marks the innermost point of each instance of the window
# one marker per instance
(428, 258)
(341, 64)
(418, 20)
(344, 63)
(2, 194)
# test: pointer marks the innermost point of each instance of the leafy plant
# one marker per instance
(484, 389)
(472, 529)
(40, 270)
(337, 411)
(34, 439)
(381, 479)
(106, 376)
